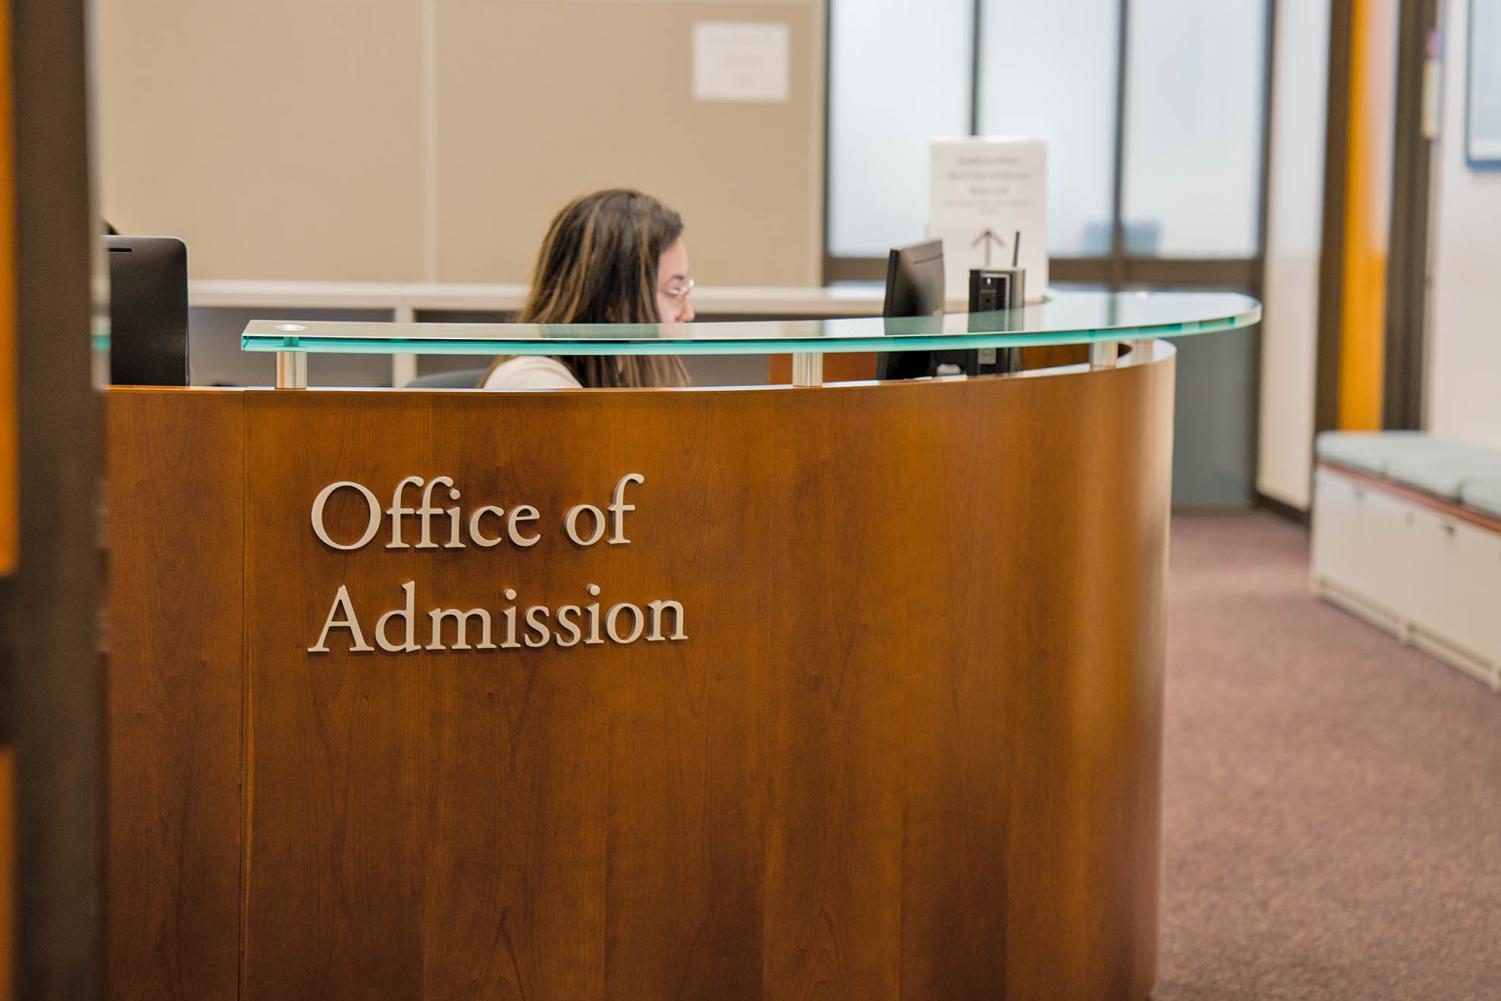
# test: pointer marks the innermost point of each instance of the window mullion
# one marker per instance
(1118, 188)
(975, 44)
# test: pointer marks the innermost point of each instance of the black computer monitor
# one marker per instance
(914, 280)
(914, 287)
(148, 310)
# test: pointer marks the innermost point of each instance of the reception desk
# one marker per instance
(819, 691)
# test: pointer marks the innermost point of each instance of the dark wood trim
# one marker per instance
(1332, 246)
(58, 684)
(1456, 511)
(1281, 508)
(1407, 258)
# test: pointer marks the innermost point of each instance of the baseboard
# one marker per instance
(1457, 657)
(1361, 607)
(1281, 509)
(1408, 633)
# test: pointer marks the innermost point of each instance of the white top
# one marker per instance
(531, 372)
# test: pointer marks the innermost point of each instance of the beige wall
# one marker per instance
(410, 140)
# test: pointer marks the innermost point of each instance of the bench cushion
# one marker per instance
(1443, 468)
(1483, 494)
(1369, 451)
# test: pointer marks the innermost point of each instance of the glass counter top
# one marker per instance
(1065, 318)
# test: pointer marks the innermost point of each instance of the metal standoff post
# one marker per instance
(807, 370)
(291, 370)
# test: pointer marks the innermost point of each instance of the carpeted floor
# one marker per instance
(1331, 799)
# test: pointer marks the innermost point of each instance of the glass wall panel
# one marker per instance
(1194, 88)
(1049, 70)
(899, 74)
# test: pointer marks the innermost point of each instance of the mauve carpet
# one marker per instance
(1331, 799)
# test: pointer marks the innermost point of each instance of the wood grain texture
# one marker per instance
(10, 518)
(175, 468)
(10, 515)
(1054, 356)
(7, 872)
(909, 749)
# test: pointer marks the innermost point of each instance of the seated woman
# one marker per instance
(614, 256)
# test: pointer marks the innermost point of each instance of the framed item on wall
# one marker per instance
(1483, 85)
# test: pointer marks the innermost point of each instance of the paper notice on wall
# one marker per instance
(741, 61)
(987, 202)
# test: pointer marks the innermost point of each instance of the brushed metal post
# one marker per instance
(291, 370)
(403, 364)
(1140, 351)
(807, 370)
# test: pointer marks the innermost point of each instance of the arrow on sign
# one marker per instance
(988, 237)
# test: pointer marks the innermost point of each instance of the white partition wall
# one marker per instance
(1289, 333)
(1464, 334)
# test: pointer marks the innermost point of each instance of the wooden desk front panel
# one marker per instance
(174, 693)
(909, 749)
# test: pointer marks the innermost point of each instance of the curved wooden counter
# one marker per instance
(909, 748)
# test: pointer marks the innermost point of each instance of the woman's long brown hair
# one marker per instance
(598, 264)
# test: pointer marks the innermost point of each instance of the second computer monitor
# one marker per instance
(914, 287)
(914, 280)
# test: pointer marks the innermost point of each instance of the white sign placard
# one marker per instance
(741, 61)
(987, 198)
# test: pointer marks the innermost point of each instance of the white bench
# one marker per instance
(1407, 535)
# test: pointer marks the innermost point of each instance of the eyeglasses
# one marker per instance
(679, 290)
